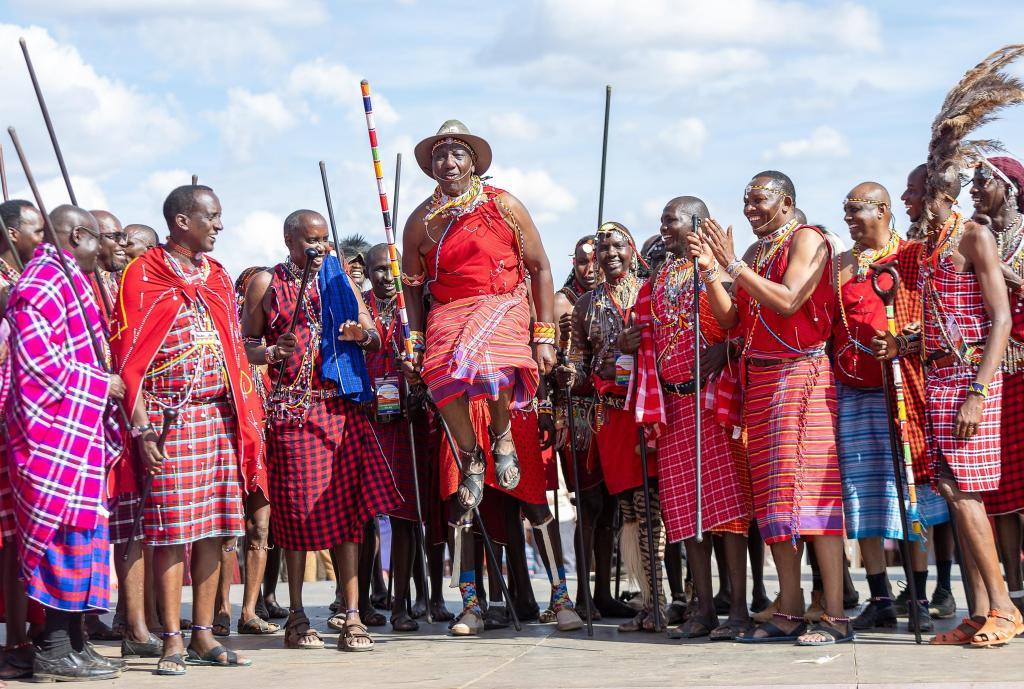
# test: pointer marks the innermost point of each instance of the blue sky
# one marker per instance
(251, 94)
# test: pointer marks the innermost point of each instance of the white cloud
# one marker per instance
(55, 192)
(823, 142)
(514, 125)
(255, 241)
(161, 182)
(339, 85)
(96, 117)
(291, 12)
(543, 197)
(687, 136)
(248, 118)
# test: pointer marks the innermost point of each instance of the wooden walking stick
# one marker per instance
(583, 583)
(170, 415)
(697, 389)
(652, 547)
(9, 245)
(195, 180)
(3, 174)
(330, 209)
(396, 276)
(104, 299)
(908, 518)
(307, 271)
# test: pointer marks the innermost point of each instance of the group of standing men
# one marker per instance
(190, 410)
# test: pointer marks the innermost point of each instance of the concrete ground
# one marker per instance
(539, 656)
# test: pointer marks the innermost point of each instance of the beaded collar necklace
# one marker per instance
(9, 273)
(453, 207)
(769, 244)
(865, 256)
(179, 250)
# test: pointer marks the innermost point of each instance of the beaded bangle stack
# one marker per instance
(545, 407)
(735, 267)
(711, 274)
(419, 341)
(544, 333)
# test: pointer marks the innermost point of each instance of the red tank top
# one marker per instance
(864, 312)
(477, 254)
(771, 335)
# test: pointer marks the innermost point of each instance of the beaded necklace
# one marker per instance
(947, 242)
(384, 318)
(294, 400)
(453, 207)
(1011, 239)
(8, 273)
(607, 308)
(675, 281)
(865, 256)
(768, 245)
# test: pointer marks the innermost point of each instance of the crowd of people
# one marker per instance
(156, 406)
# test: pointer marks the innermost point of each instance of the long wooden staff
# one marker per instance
(911, 522)
(652, 547)
(9, 245)
(696, 388)
(170, 418)
(330, 210)
(583, 584)
(104, 298)
(195, 180)
(307, 271)
(3, 174)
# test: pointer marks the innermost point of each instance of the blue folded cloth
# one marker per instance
(343, 362)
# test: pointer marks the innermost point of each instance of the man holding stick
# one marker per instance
(475, 246)
(327, 475)
(178, 345)
(784, 304)
(665, 394)
(62, 438)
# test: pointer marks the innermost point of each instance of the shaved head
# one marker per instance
(377, 254)
(108, 222)
(296, 220)
(688, 205)
(66, 217)
(141, 238)
(78, 232)
(873, 191)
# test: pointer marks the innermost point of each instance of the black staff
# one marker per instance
(330, 209)
(581, 554)
(492, 560)
(9, 245)
(3, 174)
(887, 296)
(170, 419)
(696, 386)
(104, 299)
(311, 254)
(195, 180)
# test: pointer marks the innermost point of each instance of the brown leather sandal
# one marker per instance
(958, 636)
(991, 635)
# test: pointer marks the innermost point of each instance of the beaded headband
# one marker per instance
(766, 187)
(850, 199)
(448, 140)
(618, 228)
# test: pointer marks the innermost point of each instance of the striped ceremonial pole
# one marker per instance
(389, 231)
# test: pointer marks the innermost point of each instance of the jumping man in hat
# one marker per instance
(474, 245)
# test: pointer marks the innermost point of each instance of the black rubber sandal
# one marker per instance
(473, 482)
(173, 658)
(773, 634)
(212, 658)
(504, 462)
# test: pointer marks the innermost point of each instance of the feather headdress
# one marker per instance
(972, 103)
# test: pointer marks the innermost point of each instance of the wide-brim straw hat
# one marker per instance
(456, 130)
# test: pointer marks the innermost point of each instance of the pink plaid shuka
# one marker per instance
(60, 439)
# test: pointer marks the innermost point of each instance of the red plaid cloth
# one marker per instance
(122, 517)
(791, 444)
(1010, 496)
(667, 355)
(198, 494)
(951, 296)
(74, 573)
(328, 476)
(908, 309)
(532, 479)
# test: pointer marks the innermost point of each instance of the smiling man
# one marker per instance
(480, 253)
(326, 472)
(177, 344)
(865, 455)
(785, 303)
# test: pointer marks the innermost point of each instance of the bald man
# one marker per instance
(327, 475)
(141, 238)
(865, 455)
(62, 397)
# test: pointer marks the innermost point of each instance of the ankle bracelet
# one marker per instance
(167, 635)
(201, 627)
(791, 618)
(833, 620)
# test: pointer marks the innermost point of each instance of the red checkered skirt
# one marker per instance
(123, 509)
(532, 477)
(723, 499)
(618, 449)
(328, 477)
(790, 416)
(974, 462)
(198, 494)
(1010, 496)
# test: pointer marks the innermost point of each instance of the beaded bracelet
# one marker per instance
(544, 333)
(710, 275)
(735, 267)
(419, 341)
(269, 358)
(545, 407)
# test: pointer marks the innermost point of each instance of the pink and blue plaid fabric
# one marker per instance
(55, 408)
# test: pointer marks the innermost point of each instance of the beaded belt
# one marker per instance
(762, 363)
(682, 389)
(941, 357)
(324, 394)
(613, 401)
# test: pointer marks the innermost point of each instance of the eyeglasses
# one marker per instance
(91, 231)
(116, 237)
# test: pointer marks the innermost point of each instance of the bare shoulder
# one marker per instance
(414, 223)
(808, 236)
(977, 240)
(562, 304)
(258, 285)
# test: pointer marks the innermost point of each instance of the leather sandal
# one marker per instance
(472, 482)
(257, 625)
(353, 631)
(299, 635)
(958, 636)
(504, 462)
(991, 635)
